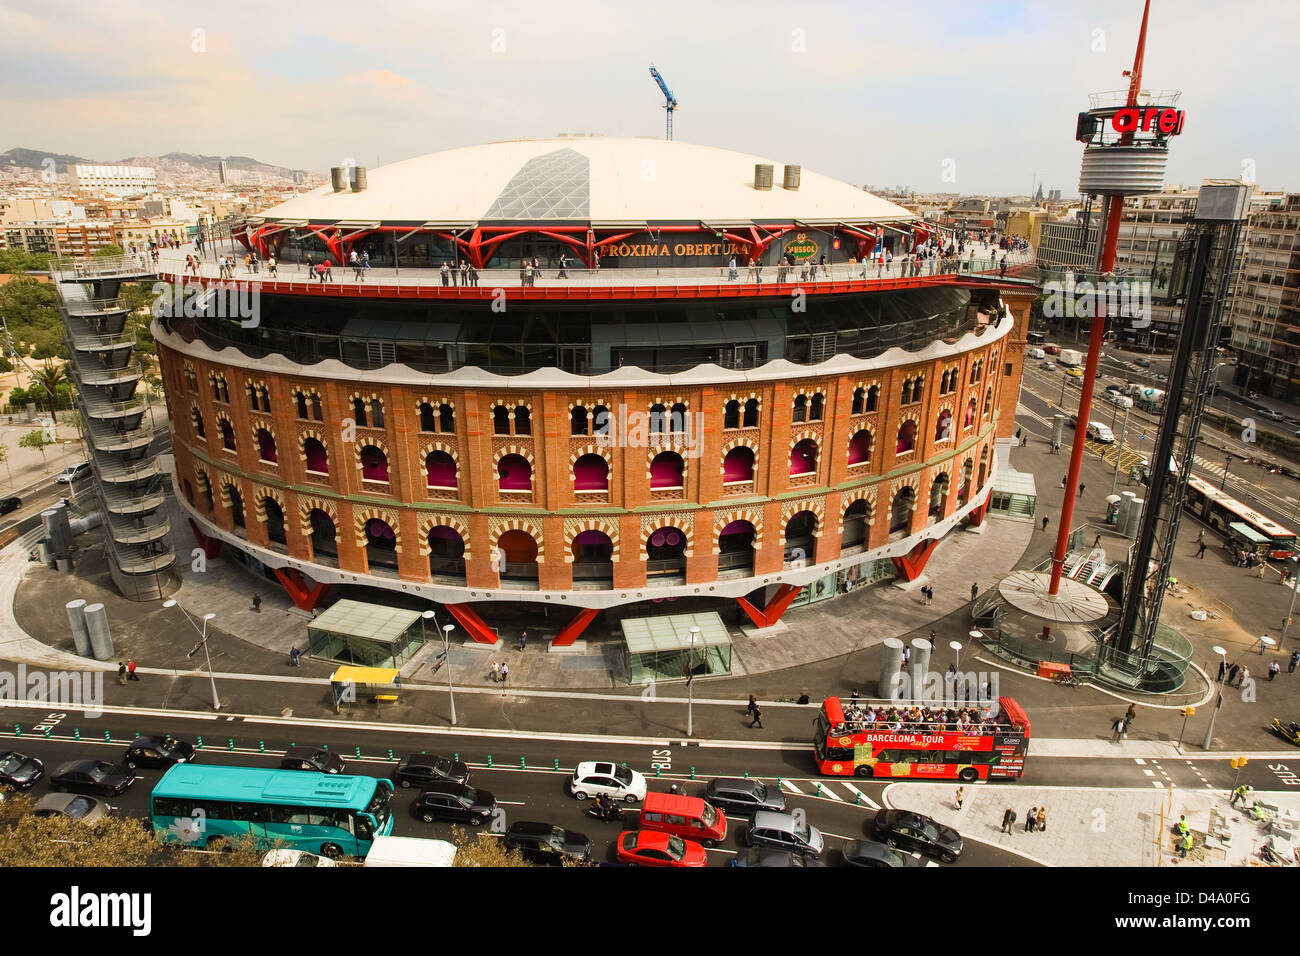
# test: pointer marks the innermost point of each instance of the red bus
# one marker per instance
(885, 739)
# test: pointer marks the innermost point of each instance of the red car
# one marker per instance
(1052, 349)
(650, 848)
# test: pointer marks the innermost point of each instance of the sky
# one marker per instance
(970, 96)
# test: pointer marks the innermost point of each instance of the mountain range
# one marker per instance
(167, 163)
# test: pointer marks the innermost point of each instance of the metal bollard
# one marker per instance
(390, 753)
(199, 744)
(261, 746)
(358, 753)
(76, 733)
(108, 737)
(455, 756)
(819, 789)
(746, 774)
(557, 763)
(692, 773)
(230, 743)
(858, 801)
(18, 731)
(489, 763)
(658, 772)
(47, 732)
(523, 764)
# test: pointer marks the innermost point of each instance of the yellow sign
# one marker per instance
(801, 247)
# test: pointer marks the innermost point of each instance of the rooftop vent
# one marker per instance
(339, 178)
(762, 176)
(791, 177)
(358, 178)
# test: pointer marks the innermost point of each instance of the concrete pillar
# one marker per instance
(101, 641)
(55, 523)
(919, 667)
(890, 664)
(77, 620)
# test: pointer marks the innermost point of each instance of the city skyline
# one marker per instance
(339, 87)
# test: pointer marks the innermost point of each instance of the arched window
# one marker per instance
(274, 519)
(751, 413)
(578, 423)
(236, 506)
(731, 414)
(514, 473)
(988, 401)
(860, 447)
(447, 553)
(266, 446)
(446, 419)
(803, 458)
(666, 471)
(939, 496)
(427, 421)
(197, 417)
(324, 536)
(906, 397)
(906, 438)
(359, 412)
(381, 543)
(523, 422)
(859, 401)
(657, 416)
(900, 514)
(301, 400)
(677, 419)
(738, 465)
(873, 398)
(227, 435)
(970, 414)
(440, 470)
(855, 525)
(317, 413)
(815, 407)
(943, 427)
(317, 458)
(800, 412)
(600, 420)
(374, 464)
(500, 420)
(943, 384)
(918, 387)
(591, 473)
(376, 413)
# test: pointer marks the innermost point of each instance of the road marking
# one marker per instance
(1139, 761)
(1158, 783)
(865, 799)
(512, 803)
(1149, 773)
(823, 790)
(791, 787)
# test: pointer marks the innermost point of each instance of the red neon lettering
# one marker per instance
(1169, 120)
(1125, 121)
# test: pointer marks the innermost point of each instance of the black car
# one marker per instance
(421, 769)
(158, 751)
(19, 771)
(917, 832)
(743, 796)
(456, 802)
(92, 776)
(10, 504)
(758, 856)
(548, 844)
(866, 853)
(321, 761)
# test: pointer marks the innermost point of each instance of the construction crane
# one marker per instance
(670, 101)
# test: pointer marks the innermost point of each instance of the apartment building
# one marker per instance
(1264, 309)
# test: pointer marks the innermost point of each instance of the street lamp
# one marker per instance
(216, 701)
(446, 649)
(1224, 480)
(1291, 610)
(1223, 671)
(690, 689)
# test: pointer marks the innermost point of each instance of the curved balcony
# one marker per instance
(121, 502)
(74, 269)
(123, 416)
(82, 306)
(151, 527)
(113, 468)
(98, 323)
(143, 558)
(108, 438)
(114, 379)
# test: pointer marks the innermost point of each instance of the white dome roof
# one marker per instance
(587, 179)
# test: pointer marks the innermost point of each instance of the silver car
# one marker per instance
(74, 806)
(783, 831)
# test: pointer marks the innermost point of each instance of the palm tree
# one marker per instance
(50, 377)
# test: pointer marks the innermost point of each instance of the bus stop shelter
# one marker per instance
(368, 635)
(660, 648)
(351, 684)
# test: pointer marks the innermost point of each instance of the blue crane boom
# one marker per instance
(670, 103)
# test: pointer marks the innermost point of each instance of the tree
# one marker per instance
(108, 252)
(17, 261)
(50, 377)
(38, 439)
(30, 311)
(476, 850)
(4, 457)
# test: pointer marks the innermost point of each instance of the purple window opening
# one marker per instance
(515, 473)
(374, 464)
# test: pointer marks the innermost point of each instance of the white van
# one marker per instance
(410, 851)
(1101, 433)
(1037, 354)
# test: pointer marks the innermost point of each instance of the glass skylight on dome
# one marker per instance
(555, 185)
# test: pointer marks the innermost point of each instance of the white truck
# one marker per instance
(1070, 358)
(410, 851)
(1149, 399)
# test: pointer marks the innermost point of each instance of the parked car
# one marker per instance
(1101, 433)
(421, 769)
(758, 856)
(547, 843)
(92, 776)
(1052, 349)
(321, 761)
(1271, 414)
(455, 802)
(867, 853)
(651, 848)
(784, 831)
(1049, 366)
(1142, 362)
(10, 504)
(19, 771)
(295, 858)
(918, 832)
(593, 778)
(74, 806)
(743, 796)
(159, 751)
(73, 473)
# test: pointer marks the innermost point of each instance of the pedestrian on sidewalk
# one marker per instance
(1081, 487)
(257, 603)
(933, 637)
(130, 669)
(1263, 642)
(1233, 670)
(1200, 538)
(523, 639)
(974, 591)
(758, 718)
(1295, 660)
(1041, 823)
(1118, 730)
(121, 673)
(1200, 551)
(1031, 820)
(1274, 668)
(1097, 540)
(958, 796)
(1064, 479)
(1223, 669)
(294, 655)
(1243, 677)
(505, 671)
(1044, 522)
(751, 706)
(1130, 715)
(495, 672)
(1008, 819)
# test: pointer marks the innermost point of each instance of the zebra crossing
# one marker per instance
(830, 790)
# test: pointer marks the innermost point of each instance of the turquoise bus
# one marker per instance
(330, 814)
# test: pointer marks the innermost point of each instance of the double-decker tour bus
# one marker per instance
(915, 740)
(1219, 510)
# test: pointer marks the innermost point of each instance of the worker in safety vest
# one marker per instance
(1238, 794)
(1187, 844)
(1182, 826)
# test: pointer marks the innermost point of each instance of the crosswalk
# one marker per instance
(827, 790)
(1158, 773)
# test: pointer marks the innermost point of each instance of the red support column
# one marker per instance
(910, 565)
(975, 517)
(211, 546)
(569, 633)
(302, 596)
(775, 607)
(472, 623)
